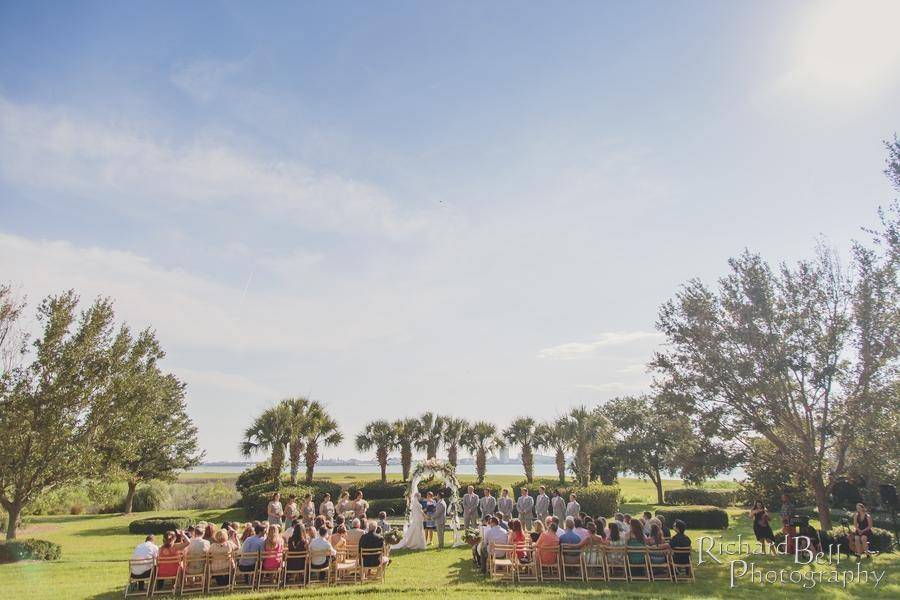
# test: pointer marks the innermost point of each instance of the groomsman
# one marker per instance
(505, 505)
(440, 518)
(542, 504)
(525, 506)
(559, 506)
(573, 509)
(488, 504)
(470, 508)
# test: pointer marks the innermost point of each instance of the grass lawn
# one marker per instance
(96, 548)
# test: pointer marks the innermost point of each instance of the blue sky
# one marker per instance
(474, 208)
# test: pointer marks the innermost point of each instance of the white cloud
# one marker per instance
(131, 170)
(576, 350)
(203, 80)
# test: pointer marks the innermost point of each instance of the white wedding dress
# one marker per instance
(414, 531)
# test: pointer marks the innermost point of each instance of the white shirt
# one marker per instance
(145, 552)
(496, 535)
(318, 544)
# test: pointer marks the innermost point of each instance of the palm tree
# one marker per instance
(431, 431)
(481, 439)
(587, 426)
(319, 429)
(269, 432)
(521, 433)
(407, 434)
(382, 436)
(556, 436)
(297, 407)
(454, 431)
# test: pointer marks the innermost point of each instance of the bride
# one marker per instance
(414, 532)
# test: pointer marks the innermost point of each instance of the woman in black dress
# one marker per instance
(862, 531)
(761, 527)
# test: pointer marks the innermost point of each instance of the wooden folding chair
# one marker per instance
(193, 577)
(570, 558)
(322, 574)
(549, 571)
(660, 561)
(166, 576)
(271, 577)
(592, 559)
(219, 578)
(351, 550)
(615, 558)
(370, 572)
(140, 586)
(295, 566)
(682, 567)
(638, 564)
(246, 572)
(526, 567)
(346, 569)
(502, 568)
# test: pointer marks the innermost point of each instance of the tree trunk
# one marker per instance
(382, 463)
(821, 492)
(659, 491)
(13, 513)
(451, 455)
(278, 463)
(561, 465)
(406, 459)
(528, 462)
(583, 464)
(480, 465)
(312, 457)
(129, 497)
(295, 451)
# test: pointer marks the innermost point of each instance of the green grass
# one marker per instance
(96, 548)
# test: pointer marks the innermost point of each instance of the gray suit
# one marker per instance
(440, 520)
(487, 505)
(470, 510)
(542, 506)
(559, 509)
(525, 506)
(573, 509)
(505, 506)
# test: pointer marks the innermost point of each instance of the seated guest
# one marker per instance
(538, 529)
(656, 541)
(251, 548)
(680, 541)
(559, 526)
(590, 546)
(663, 527)
(479, 550)
(273, 549)
(547, 546)
(321, 550)
(171, 549)
(616, 540)
(494, 534)
(370, 541)
(517, 538)
(579, 530)
(318, 522)
(602, 530)
(383, 523)
(500, 522)
(339, 538)
(296, 543)
(247, 532)
(862, 531)
(355, 532)
(572, 538)
(220, 557)
(637, 542)
(338, 521)
(645, 522)
(142, 558)
(198, 548)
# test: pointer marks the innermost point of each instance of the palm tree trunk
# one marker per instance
(312, 457)
(406, 459)
(528, 462)
(583, 463)
(561, 465)
(278, 463)
(451, 455)
(294, 452)
(480, 465)
(382, 462)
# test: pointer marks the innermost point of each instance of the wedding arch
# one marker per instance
(434, 467)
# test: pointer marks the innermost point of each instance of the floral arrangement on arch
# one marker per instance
(434, 466)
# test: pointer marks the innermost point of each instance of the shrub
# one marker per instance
(261, 473)
(158, 525)
(76, 509)
(394, 507)
(150, 497)
(881, 540)
(599, 500)
(28, 549)
(696, 517)
(693, 495)
(204, 496)
(375, 490)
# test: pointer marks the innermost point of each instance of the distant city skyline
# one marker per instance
(474, 209)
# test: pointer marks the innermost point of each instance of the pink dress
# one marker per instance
(272, 558)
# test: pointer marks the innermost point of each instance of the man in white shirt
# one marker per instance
(320, 550)
(144, 556)
(573, 509)
(494, 534)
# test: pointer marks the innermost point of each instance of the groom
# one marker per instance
(440, 518)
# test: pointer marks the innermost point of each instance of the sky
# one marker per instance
(393, 207)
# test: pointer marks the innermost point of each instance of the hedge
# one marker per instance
(28, 549)
(376, 490)
(881, 540)
(599, 500)
(159, 525)
(394, 507)
(696, 517)
(700, 496)
(260, 474)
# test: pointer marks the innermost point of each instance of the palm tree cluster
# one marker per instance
(576, 431)
(296, 428)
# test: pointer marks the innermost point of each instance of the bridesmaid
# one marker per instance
(308, 510)
(344, 505)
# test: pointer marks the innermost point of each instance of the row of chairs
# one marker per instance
(596, 562)
(238, 571)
